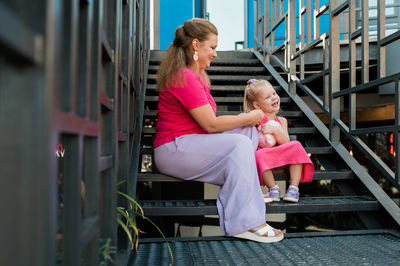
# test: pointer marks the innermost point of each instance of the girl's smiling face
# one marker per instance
(267, 100)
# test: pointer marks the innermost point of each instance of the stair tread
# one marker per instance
(314, 248)
(217, 99)
(227, 78)
(305, 205)
(287, 114)
(318, 175)
(292, 130)
(221, 54)
(244, 78)
(312, 150)
(234, 61)
(219, 61)
(223, 69)
(228, 88)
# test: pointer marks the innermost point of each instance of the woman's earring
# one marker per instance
(196, 55)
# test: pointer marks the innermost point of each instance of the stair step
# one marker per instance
(221, 54)
(222, 88)
(237, 78)
(305, 205)
(319, 150)
(235, 69)
(235, 61)
(355, 247)
(318, 175)
(223, 69)
(220, 62)
(311, 150)
(292, 130)
(151, 78)
(217, 99)
(287, 114)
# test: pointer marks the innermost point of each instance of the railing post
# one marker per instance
(286, 53)
(273, 21)
(255, 5)
(365, 42)
(292, 45)
(396, 132)
(334, 77)
(308, 21)
(326, 96)
(301, 29)
(267, 27)
(352, 65)
(381, 34)
(316, 19)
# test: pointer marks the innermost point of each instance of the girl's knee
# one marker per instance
(296, 142)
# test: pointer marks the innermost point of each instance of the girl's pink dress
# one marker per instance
(289, 153)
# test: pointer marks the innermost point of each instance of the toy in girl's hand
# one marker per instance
(267, 140)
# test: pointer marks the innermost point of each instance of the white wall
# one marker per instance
(228, 17)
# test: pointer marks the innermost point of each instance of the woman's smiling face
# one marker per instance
(207, 51)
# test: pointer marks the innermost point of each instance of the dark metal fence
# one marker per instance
(72, 76)
(332, 92)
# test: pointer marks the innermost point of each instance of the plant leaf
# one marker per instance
(131, 200)
(163, 236)
(121, 182)
(126, 231)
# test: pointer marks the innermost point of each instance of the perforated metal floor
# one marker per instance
(373, 249)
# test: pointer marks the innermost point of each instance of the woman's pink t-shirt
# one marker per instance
(173, 117)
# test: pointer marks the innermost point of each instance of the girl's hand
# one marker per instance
(255, 117)
(267, 129)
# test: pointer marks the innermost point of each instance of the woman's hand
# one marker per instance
(254, 117)
(205, 117)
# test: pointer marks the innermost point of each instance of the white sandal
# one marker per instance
(268, 199)
(258, 235)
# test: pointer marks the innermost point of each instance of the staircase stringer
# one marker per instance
(134, 159)
(388, 204)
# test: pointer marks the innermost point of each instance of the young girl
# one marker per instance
(275, 148)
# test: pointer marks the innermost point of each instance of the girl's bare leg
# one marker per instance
(268, 178)
(295, 171)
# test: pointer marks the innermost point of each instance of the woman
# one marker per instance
(184, 147)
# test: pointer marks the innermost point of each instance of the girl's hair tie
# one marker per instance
(250, 81)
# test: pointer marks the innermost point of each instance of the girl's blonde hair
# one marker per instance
(180, 53)
(251, 92)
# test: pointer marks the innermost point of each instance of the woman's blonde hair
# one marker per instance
(180, 52)
(251, 92)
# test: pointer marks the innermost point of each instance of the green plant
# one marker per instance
(130, 213)
(106, 251)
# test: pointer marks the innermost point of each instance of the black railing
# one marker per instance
(332, 93)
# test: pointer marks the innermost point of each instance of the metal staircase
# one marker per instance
(169, 200)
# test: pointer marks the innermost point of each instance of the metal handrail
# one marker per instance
(332, 92)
